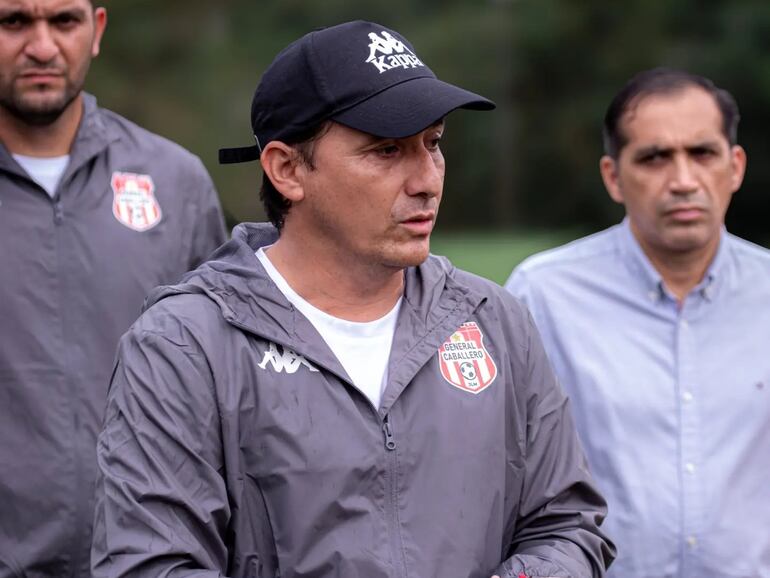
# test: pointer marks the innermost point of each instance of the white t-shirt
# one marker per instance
(363, 349)
(45, 171)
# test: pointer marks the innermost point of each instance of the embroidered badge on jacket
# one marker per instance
(134, 204)
(465, 362)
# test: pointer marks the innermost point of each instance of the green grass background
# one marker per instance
(494, 254)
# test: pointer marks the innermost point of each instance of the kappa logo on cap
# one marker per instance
(387, 52)
(465, 362)
(134, 204)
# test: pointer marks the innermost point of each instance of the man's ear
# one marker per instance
(100, 23)
(608, 167)
(281, 164)
(738, 164)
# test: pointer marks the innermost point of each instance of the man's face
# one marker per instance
(46, 47)
(677, 172)
(373, 201)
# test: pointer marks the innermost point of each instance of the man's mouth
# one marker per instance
(40, 76)
(685, 213)
(420, 223)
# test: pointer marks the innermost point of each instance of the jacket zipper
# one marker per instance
(58, 212)
(390, 443)
(392, 480)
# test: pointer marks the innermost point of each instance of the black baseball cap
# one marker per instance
(359, 74)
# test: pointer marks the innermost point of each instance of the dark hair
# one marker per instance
(276, 205)
(663, 81)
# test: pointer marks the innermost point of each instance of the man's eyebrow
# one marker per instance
(369, 138)
(75, 11)
(373, 139)
(25, 15)
(706, 144)
(17, 12)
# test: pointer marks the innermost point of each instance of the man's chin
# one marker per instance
(688, 241)
(410, 258)
(38, 110)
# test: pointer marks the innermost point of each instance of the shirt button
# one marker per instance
(687, 397)
(684, 323)
(689, 467)
(692, 541)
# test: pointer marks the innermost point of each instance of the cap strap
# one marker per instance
(239, 155)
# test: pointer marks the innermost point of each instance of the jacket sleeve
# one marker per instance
(162, 507)
(557, 530)
(207, 221)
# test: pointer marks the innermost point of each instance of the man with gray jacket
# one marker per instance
(94, 212)
(323, 398)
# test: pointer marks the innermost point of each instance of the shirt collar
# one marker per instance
(641, 267)
(717, 272)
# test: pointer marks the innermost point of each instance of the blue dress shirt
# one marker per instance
(672, 404)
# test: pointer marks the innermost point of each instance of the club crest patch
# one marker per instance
(134, 204)
(465, 362)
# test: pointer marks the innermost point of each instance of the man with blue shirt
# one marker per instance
(658, 328)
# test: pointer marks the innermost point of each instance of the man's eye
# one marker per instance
(655, 158)
(65, 20)
(387, 150)
(13, 21)
(434, 143)
(703, 153)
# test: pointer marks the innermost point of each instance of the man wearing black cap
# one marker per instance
(323, 398)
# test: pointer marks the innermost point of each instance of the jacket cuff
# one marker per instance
(531, 567)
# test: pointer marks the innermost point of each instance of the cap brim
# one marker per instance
(407, 108)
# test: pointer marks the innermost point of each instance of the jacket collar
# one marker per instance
(92, 137)
(235, 276)
(435, 305)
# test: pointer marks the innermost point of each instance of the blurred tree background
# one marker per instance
(187, 69)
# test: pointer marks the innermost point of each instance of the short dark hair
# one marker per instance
(664, 81)
(275, 204)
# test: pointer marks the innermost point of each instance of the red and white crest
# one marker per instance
(134, 204)
(465, 362)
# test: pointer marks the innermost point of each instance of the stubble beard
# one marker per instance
(43, 111)
(403, 256)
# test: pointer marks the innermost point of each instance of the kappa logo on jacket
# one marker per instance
(393, 53)
(288, 360)
(465, 362)
(134, 204)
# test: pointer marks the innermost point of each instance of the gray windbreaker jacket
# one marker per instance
(133, 210)
(235, 444)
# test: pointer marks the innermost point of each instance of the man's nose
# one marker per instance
(41, 46)
(683, 179)
(426, 173)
